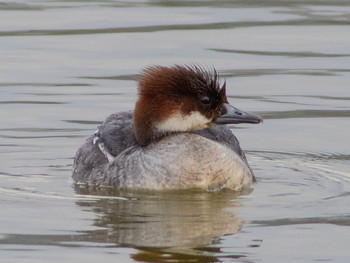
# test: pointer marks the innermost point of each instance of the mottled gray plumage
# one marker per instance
(136, 166)
(170, 140)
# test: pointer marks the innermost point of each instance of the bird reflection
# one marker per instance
(155, 222)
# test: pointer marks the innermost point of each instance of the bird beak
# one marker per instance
(232, 115)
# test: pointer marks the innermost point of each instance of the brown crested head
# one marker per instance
(175, 99)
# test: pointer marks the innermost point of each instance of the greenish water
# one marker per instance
(66, 65)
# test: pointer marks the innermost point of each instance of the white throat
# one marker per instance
(179, 122)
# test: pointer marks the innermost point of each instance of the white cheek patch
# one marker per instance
(180, 122)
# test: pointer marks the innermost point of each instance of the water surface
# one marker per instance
(66, 65)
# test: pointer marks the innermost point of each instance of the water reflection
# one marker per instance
(68, 64)
(161, 219)
(178, 226)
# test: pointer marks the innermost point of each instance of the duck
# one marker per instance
(176, 138)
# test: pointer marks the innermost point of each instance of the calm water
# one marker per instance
(66, 65)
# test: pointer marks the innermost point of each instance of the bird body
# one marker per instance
(171, 140)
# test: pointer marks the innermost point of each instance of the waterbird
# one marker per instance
(175, 138)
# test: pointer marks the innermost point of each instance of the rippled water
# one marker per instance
(66, 65)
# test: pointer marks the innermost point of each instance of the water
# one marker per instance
(66, 65)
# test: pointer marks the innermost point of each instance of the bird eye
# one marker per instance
(205, 100)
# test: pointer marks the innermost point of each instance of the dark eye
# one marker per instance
(205, 100)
